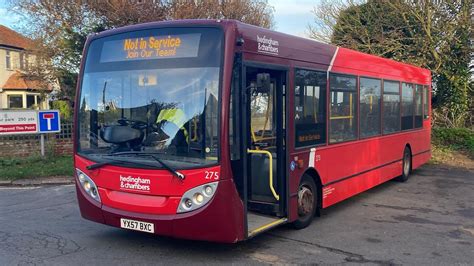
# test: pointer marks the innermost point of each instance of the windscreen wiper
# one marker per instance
(112, 161)
(153, 155)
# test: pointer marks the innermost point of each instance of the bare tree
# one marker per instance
(326, 15)
(60, 27)
(256, 12)
(433, 34)
(116, 13)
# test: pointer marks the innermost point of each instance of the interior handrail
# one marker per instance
(270, 172)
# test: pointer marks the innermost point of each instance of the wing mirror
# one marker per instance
(262, 84)
(263, 81)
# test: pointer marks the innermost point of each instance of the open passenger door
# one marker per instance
(264, 140)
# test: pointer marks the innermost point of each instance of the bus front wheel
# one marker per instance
(307, 202)
(406, 170)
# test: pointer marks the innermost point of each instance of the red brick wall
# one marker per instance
(63, 146)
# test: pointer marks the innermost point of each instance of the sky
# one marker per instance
(291, 16)
(8, 18)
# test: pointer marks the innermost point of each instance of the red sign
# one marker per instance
(48, 116)
(18, 122)
(23, 128)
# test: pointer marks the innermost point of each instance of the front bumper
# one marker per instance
(221, 220)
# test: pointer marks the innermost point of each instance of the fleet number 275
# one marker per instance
(211, 175)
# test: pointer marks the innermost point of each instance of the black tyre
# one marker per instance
(406, 170)
(307, 202)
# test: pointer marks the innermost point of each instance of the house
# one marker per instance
(17, 91)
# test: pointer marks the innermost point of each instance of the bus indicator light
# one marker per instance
(188, 203)
(208, 190)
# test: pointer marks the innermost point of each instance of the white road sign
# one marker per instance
(18, 122)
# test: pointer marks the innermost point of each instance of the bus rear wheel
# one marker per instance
(406, 170)
(307, 202)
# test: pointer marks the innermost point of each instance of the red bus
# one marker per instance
(218, 130)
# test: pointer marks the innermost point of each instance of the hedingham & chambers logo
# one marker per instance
(135, 183)
(267, 45)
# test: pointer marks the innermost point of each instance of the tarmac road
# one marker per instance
(428, 220)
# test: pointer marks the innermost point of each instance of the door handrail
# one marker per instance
(270, 172)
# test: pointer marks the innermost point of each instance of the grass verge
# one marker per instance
(35, 166)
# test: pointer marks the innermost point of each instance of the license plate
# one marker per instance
(137, 225)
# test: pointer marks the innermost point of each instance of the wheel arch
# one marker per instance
(313, 173)
(409, 147)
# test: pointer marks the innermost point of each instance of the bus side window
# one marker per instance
(370, 90)
(310, 107)
(391, 107)
(343, 111)
(426, 102)
(418, 106)
(407, 106)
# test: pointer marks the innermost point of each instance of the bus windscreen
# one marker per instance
(153, 91)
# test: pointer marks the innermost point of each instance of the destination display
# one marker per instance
(151, 47)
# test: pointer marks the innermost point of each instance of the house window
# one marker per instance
(8, 60)
(22, 61)
(30, 101)
(15, 101)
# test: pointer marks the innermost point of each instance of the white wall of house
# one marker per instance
(5, 72)
(15, 58)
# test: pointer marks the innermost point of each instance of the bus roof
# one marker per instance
(330, 57)
(298, 51)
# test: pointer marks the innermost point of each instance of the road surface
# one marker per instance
(427, 220)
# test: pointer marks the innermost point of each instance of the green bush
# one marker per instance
(64, 109)
(454, 138)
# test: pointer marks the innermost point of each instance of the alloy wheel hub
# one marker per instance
(305, 201)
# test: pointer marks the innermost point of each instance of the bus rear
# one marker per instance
(147, 133)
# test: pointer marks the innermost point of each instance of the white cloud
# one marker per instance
(286, 8)
(293, 16)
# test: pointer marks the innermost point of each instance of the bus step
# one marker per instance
(263, 207)
(257, 223)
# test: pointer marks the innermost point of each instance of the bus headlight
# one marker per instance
(88, 185)
(196, 197)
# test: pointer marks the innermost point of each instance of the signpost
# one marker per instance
(14, 122)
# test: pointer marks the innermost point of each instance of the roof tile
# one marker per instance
(19, 82)
(12, 38)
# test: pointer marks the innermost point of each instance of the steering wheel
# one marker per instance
(137, 124)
